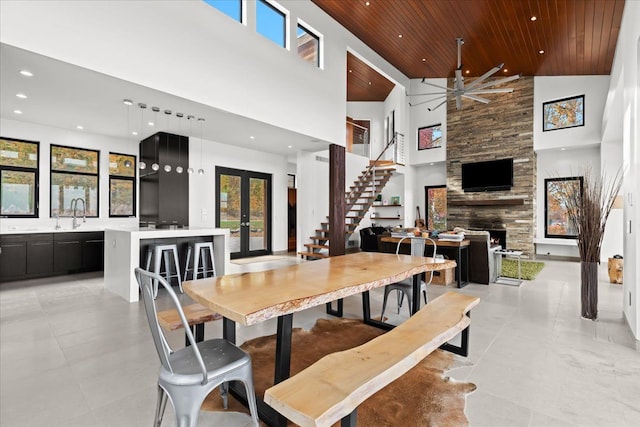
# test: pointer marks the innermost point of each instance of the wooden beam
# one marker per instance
(336, 200)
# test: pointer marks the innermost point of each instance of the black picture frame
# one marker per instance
(563, 113)
(556, 218)
(430, 137)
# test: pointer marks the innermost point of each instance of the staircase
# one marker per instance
(358, 201)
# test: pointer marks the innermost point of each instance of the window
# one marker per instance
(74, 174)
(232, 8)
(122, 185)
(436, 203)
(308, 45)
(271, 22)
(18, 178)
(557, 222)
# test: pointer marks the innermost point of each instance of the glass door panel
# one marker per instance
(243, 206)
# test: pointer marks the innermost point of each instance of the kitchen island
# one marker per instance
(124, 248)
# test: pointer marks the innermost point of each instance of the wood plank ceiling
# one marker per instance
(577, 37)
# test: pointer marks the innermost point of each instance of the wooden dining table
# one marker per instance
(251, 298)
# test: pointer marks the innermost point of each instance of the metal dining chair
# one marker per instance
(405, 287)
(189, 374)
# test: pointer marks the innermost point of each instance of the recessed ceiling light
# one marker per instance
(79, 127)
(26, 73)
(424, 59)
(541, 51)
(400, 36)
(252, 137)
(562, 149)
(21, 96)
(17, 112)
(505, 70)
(351, 71)
(369, 83)
(533, 18)
(151, 124)
(127, 102)
(134, 133)
(367, 3)
(289, 146)
(467, 71)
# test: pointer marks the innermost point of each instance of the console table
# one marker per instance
(459, 252)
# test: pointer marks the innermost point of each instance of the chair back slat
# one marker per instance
(145, 282)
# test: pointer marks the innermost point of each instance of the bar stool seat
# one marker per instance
(199, 252)
(159, 253)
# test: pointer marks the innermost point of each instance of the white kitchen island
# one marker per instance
(122, 253)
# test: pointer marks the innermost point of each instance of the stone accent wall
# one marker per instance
(480, 132)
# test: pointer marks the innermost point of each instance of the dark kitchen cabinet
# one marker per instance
(92, 251)
(67, 253)
(164, 196)
(13, 257)
(39, 254)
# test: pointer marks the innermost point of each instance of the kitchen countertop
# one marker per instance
(50, 230)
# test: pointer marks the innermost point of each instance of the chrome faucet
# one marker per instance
(74, 205)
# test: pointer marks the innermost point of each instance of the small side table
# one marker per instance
(508, 280)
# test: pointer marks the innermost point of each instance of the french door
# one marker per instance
(243, 205)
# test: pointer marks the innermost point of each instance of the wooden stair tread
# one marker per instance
(313, 254)
(314, 246)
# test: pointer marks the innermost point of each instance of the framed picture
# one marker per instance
(395, 200)
(563, 113)
(556, 216)
(436, 207)
(430, 137)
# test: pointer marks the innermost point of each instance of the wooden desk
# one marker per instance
(251, 298)
(459, 251)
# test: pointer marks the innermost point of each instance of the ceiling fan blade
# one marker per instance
(431, 93)
(426, 101)
(498, 81)
(438, 86)
(437, 106)
(477, 98)
(481, 91)
(486, 75)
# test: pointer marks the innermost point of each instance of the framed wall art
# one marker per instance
(430, 137)
(563, 113)
(556, 216)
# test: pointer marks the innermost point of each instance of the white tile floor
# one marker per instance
(72, 354)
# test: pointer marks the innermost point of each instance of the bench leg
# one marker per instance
(350, 420)
(198, 334)
(331, 311)
(463, 350)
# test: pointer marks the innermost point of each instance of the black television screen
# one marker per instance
(493, 175)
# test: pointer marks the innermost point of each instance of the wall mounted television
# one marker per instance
(493, 175)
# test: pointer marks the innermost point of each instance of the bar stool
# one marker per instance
(159, 253)
(198, 250)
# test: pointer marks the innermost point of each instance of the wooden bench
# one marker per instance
(332, 388)
(197, 315)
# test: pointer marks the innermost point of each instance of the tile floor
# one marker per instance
(72, 354)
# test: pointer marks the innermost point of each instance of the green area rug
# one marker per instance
(530, 269)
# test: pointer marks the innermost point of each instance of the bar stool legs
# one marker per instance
(161, 253)
(199, 251)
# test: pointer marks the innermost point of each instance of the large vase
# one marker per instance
(589, 289)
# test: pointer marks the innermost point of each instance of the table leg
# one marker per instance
(283, 348)
(415, 306)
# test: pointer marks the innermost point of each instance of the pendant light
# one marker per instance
(201, 170)
(190, 119)
(167, 167)
(155, 166)
(128, 103)
(179, 168)
(141, 164)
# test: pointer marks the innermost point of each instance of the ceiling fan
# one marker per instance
(459, 90)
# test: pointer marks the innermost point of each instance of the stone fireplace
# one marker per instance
(498, 130)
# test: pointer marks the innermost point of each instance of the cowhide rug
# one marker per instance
(423, 396)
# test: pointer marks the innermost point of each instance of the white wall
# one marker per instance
(47, 135)
(610, 165)
(421, 117)
(624, 100)
(594, 89)
(202, 194)
(560, 164)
